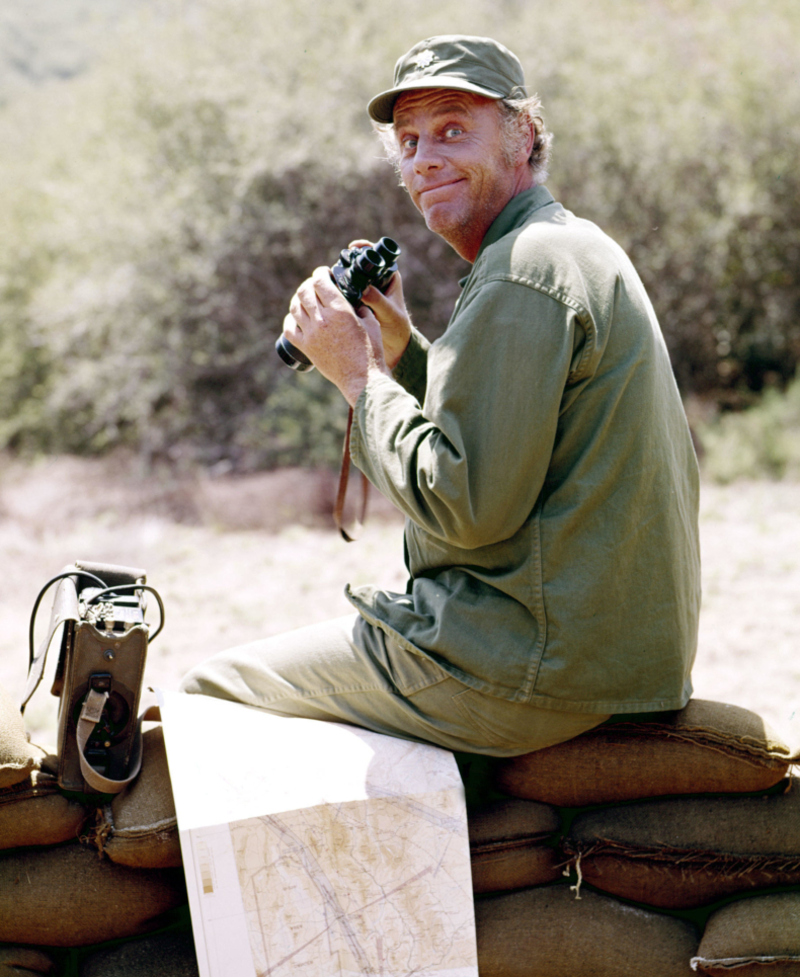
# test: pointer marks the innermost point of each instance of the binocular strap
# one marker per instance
(351, 535)
(91, 711)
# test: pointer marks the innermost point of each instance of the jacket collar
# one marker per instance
(515, 213)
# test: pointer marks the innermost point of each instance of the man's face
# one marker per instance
(452, 162)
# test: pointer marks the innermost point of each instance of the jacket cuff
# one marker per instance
(411, 372)
(382, 407)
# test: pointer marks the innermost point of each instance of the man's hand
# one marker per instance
(389, 308)
(345, 346)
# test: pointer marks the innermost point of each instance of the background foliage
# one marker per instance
(159, 209)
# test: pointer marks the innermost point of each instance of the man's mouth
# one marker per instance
(439, 186)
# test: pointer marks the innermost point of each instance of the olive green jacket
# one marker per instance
(540, 452)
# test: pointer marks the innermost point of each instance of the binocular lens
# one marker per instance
(388, 249)
(292, 356)
(367, 260)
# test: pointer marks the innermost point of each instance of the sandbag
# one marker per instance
(19, 961)
(708, 747)
(547, 932)
(162, 955)
(139, 828)
(512, 845)
(755, 937)
(683, 853)
(68, 896)
(18, 757)
(35, 812)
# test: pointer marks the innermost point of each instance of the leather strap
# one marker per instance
(65, 609)
(352, 534)
(91, 711)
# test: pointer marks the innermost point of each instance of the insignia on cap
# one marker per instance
(424, 58)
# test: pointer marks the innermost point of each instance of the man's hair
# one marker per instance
(512, 111)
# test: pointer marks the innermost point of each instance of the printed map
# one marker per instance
(366, 873)
(367, 887)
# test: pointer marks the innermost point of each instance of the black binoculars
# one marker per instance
(356, 269)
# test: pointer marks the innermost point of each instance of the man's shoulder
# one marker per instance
(552, 248)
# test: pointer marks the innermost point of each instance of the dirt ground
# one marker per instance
(240, 558)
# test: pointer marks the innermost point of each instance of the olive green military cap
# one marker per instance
(468, 64)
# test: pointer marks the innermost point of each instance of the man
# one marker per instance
(539, 450)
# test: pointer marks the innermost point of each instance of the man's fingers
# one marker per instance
(296, 308)
(395, 288)
(385, 305)
(374, 298)
(326, 291)
(365, 312)
(306, 296)
(317, 291)
(291, 327)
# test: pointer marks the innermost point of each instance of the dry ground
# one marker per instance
(240, 558)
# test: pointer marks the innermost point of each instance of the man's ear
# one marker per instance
(527, 136)
(519, 140)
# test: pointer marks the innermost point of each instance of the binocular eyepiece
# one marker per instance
(353, 273)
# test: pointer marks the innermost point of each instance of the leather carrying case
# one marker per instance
(100, 611)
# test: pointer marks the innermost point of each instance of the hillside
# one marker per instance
(48, 40)
(161, 205)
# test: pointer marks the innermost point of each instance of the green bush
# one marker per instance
(160, 210)
(761, 442)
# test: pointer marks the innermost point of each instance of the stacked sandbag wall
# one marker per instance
(75, 873)
(645, 848)
(680, 836)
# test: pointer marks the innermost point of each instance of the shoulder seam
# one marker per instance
(562, 297)
(549, 290)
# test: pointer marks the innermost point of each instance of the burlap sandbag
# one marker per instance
(17, 961)
(546, 932)
(35, 812)
(708, 747)
(139, 828)
(18, 757)
(70, 896)
(688, 852)
(755, 937)
(512, 845)
(163, 955)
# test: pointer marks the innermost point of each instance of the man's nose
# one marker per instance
(428, 155)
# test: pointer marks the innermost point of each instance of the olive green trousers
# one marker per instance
(348, 671)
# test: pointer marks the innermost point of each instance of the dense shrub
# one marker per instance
(761, 442)
(160, 210)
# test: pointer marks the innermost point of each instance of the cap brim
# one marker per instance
(381, 108)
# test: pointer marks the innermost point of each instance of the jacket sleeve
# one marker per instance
(468, 463)
(412, 370)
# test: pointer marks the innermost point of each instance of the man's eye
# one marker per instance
(453, 131)
(408, 143)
